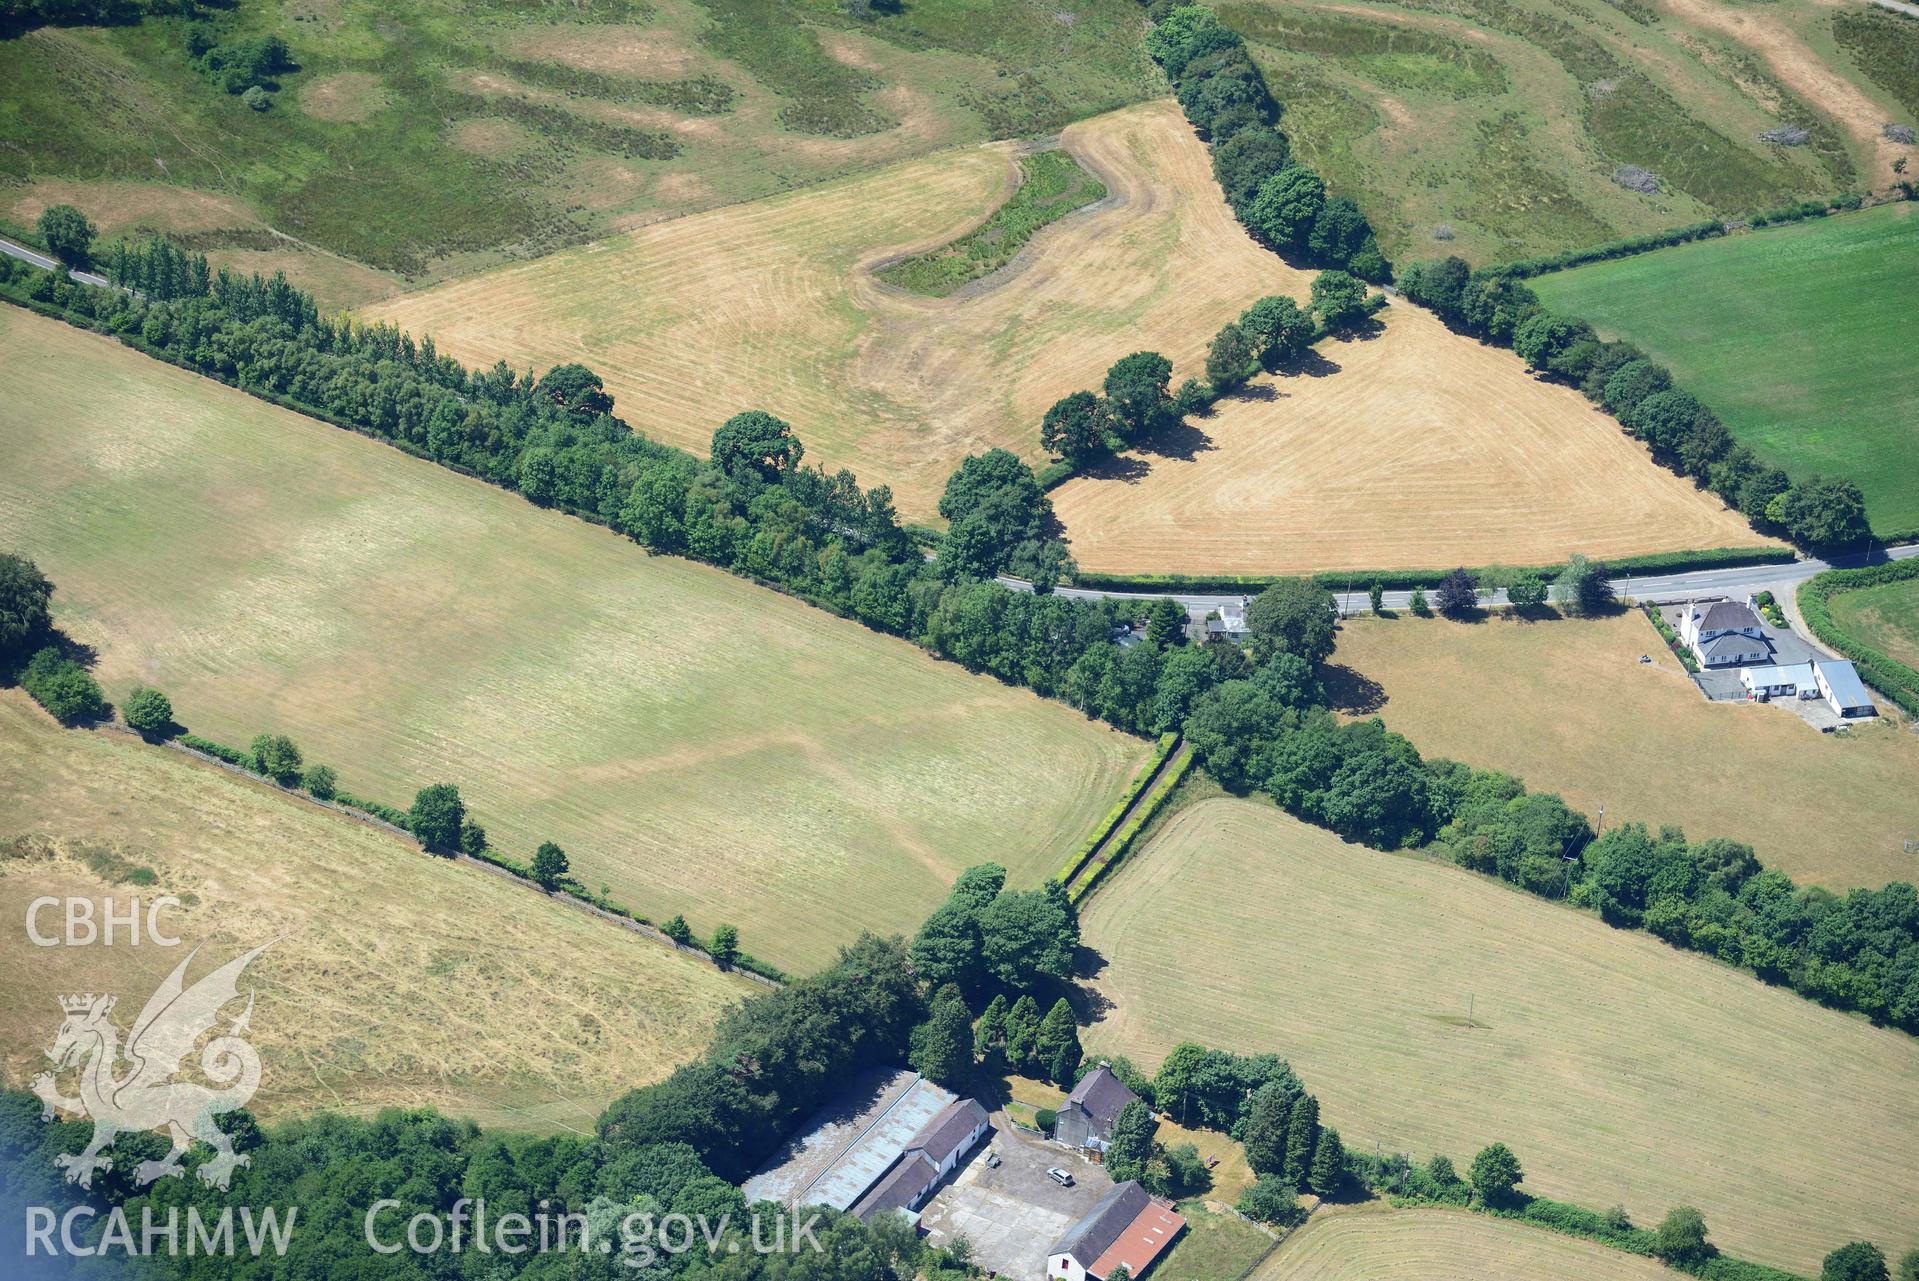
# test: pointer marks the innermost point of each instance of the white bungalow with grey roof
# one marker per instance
(1723, 633)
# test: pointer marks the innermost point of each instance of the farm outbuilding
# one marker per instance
(1086, 1119)
(1128, 1228)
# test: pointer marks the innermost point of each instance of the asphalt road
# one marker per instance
(45, 263)
(1739, 582)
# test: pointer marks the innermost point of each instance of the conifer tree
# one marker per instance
(1299, 1141)
(1329, 1163)
(1266, 1130)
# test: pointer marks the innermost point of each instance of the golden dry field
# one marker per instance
(698, 744)
(1618, 1069)
(773, 305)
(1377, 1244)
(1569, 707)
(1411, 448)
(396, 979)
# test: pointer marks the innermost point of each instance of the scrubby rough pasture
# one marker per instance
(1618, 1069)
(1799, 337)
(396, 979)
(1376, 1244)
(1414, 448)
(699, 744)
(1494, 128)
(1568, 707)
(773, 305)
(424, 138)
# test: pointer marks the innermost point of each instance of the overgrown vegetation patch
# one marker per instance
(1052, 185)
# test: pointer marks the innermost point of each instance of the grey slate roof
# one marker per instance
(902, 1186)
(945, 1133)
(1727, 646)
(1110, 1216)
(1101, 1095)
(1727, 615)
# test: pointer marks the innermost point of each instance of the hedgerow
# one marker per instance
(1884, 673)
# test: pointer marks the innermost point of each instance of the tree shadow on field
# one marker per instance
(1351, 691)
(1182, 441)
(1361, 331)
(1313, 364)
(1130, 468)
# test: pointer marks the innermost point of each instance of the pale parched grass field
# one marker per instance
(1443, 1245)
(699, 744)
(396, 979)
(1411, 448)
(773, 305)
(1621, 1071)
(1569, 707)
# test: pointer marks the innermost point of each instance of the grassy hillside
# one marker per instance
(424, 136)
(463, 991)
(1494, 128)
(1617, 1068)
(1797, 336)
(1374, 1244)
(698, 744)
(1568, 707)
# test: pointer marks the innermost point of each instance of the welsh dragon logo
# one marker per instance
(145, 1096)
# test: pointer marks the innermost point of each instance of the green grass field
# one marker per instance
(699, 744)
(1216, 1246)
(1885, 617)
(1618, 1069)
(1052, 185)
(1493, 128)
(398, 980)
(424, 137)
(1799, 336)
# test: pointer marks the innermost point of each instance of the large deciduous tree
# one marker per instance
(1074, 428)
(436, 817)
(1296, 615)
(1137, 396)
(755, 443)
(1339, 299)
(68, 234)
(1495, 1173)
(25, 595)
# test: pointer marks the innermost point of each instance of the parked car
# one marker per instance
(992, 1160)
(1060, 1177)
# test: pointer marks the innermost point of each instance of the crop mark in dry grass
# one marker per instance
(461, 991)
(1414, 448)
(1619, 1069)
(772, 305)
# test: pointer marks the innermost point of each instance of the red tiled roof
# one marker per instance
(1141, 1241)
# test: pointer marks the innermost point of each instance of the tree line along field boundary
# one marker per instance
(607, 910)
(1883, 672)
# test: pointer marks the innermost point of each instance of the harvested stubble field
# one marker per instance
(1409, 448)
(773, 305)
(1799, 337)
(396, 979)
(1569, 707)
(1618, 1069)
(699, 744)
(1444, 1245)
